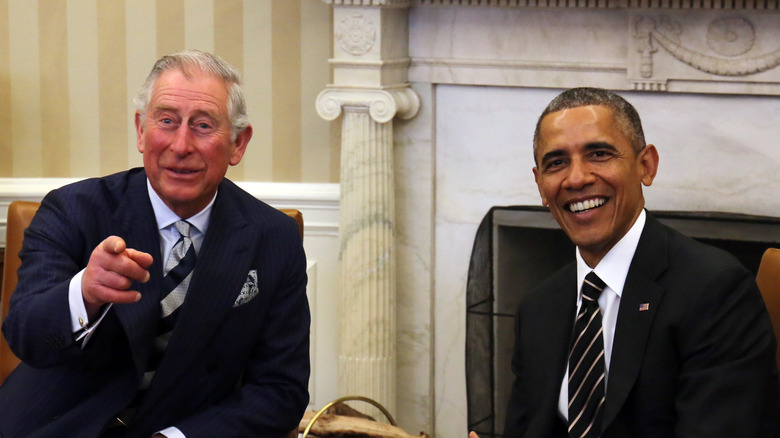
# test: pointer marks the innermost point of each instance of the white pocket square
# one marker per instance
(249, 290)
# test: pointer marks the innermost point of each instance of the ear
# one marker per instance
(139, 132)
(648, 160)
(537, 177)
(239, 146)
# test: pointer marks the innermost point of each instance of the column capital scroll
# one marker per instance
(383, 104)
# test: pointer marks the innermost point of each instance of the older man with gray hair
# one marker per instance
(163, 300)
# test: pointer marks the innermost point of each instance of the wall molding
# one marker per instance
(760, 5)
(319, 203)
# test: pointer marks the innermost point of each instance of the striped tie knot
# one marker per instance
(178, 270)
(183, 227)
(592, 286)
(179, 250)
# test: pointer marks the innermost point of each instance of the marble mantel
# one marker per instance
(678, 46)
(437, 101)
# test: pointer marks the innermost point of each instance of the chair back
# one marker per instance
(768, 280)
(20, 213)
(297, 215)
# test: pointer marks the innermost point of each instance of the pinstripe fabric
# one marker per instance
(586, 364)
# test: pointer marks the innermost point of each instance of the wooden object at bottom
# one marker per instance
(338, 420)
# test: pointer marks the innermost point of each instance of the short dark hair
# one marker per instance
(624, 113)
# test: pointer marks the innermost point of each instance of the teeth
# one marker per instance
(576, 207)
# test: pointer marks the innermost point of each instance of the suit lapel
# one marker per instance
(138, 227)
(639, 303)
(221, 269)
(558, 316)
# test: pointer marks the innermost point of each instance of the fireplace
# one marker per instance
(482, 71)
(516, 247)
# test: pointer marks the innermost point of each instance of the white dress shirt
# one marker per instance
(612, 269)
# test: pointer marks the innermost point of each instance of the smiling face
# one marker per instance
(185, 139)
(591, 178)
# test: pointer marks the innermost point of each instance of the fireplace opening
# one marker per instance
(516, 247)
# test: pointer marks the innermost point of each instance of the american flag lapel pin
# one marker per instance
(644, 306)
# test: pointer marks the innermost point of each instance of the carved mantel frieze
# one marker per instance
(372, 3)
(737, 49)
(702, 46)
(607, 4)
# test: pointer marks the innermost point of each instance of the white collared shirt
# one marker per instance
(612, 269)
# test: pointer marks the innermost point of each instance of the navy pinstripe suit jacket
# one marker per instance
(228, 371)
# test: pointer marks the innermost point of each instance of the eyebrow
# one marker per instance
(599, 145)
(164, 108)
(589, 147)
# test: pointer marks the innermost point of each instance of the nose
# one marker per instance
(181, 142)
(579, 175)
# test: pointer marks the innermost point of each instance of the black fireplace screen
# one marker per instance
(515, 248)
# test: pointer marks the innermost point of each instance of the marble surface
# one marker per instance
(717, 153)
(414, 183)
(367, 353)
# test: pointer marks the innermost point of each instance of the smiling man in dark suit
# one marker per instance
(163, 300)
(648, 333)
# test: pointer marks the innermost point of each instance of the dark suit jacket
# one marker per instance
(698, 363)
(227, 372)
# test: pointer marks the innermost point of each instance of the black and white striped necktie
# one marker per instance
(586, 364)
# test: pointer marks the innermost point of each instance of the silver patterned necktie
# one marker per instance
(586, 364)
(177, 273)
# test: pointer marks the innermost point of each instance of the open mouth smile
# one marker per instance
(589, 204)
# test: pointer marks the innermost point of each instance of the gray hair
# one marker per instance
(625, 115)
(190, 61)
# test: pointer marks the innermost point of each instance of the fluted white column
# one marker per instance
(367, 352)
(367, 355)
(370, 87)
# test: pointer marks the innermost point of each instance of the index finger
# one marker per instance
(113, 245)
(142, 258)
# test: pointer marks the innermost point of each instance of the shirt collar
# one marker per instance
(166, 217)
(613, 268)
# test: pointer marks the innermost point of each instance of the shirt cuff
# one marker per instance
(79, 320)
(172, 432)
